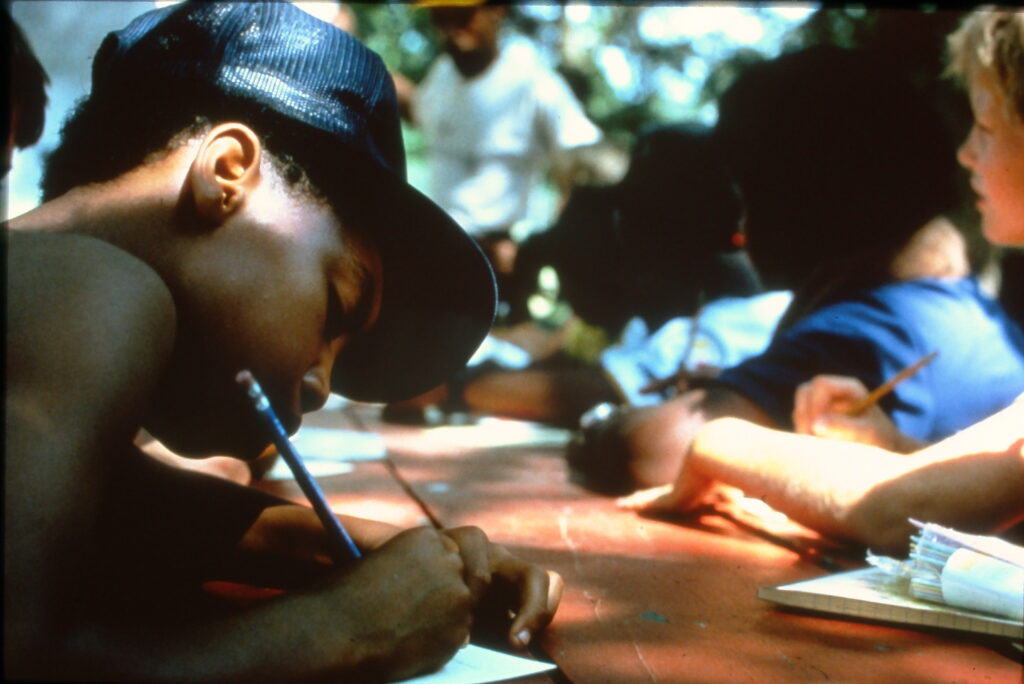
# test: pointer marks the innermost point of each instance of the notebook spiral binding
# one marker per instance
(928, 555)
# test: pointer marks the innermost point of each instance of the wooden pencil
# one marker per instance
(342, 547)
(872, 398)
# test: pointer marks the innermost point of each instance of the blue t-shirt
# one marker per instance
(878, 332)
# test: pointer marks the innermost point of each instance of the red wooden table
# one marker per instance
(646, 600)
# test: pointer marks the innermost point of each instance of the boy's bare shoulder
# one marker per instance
(52, 257)
(78, 307)
(89, 331)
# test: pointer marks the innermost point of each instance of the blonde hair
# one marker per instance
(991, 40)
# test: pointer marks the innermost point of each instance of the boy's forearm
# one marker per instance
(813, 481)
(287, 546)
(862, 493)
(659, 444)
(297, 530)
(189, 524)
(174, 523)
(972, 480)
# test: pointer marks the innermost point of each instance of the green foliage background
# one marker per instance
(911, 38)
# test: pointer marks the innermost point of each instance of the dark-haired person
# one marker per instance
(858, 490)
(652, 247)
(845, 174)
(230, 196)
(495, 119)
(26, 85)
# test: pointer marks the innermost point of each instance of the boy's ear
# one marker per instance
(225, 170)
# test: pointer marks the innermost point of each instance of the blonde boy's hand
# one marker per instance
(820, 407)
(662, 498)
(528, 591)
(688, 492)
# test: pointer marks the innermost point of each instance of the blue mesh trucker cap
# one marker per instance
(438, 291)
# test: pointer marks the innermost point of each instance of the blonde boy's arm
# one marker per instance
(972, 480)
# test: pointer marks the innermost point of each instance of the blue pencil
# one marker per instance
(343, 549)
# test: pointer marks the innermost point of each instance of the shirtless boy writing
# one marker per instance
(230, 196)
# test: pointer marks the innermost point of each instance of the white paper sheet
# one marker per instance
(477, 665)
(328, 451)
(496, 432)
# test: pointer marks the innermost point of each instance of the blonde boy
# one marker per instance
(230, 195)
(987, 55)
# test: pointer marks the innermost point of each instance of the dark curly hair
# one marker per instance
(27, 85)
(657, 244)
(838, 162)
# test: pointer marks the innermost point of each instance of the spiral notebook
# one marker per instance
(870, 594)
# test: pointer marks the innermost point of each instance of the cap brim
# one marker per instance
(437, 305)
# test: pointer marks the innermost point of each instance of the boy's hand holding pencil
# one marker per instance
(526, 591)
(842, 408)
